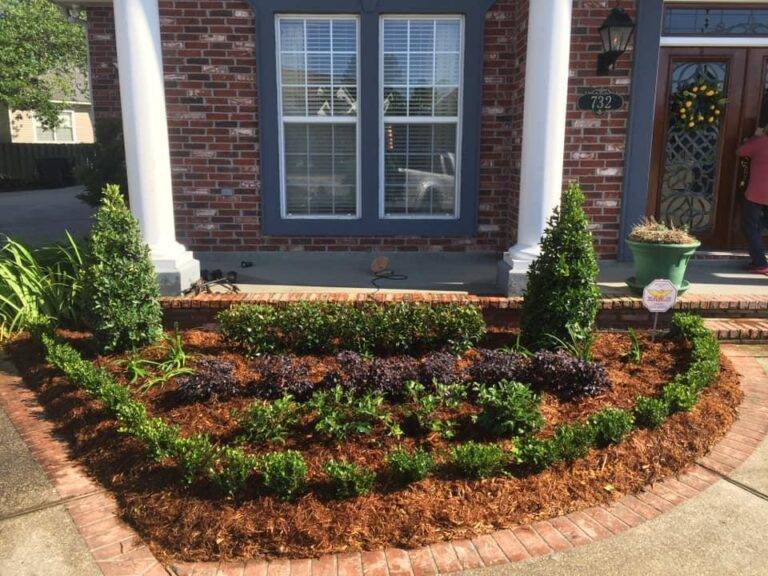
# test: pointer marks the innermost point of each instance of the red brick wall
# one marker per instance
(211, 91)
(594, 147)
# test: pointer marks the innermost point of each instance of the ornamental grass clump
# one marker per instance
(120, 290)
(562, 290)
(651, 231)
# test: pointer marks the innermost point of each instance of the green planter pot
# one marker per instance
(653, 261)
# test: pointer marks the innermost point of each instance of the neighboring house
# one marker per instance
(419, 125)
(76, 127)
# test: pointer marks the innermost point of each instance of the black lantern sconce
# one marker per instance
(616, 34)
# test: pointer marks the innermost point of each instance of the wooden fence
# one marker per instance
(18, 162)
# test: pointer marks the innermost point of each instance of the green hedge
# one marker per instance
(284, 474)
(321, 327)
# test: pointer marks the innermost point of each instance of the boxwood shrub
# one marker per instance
(321, 327)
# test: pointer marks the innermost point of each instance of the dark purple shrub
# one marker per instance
(281, 375)
(213, 378)
(566, 376)
(353, 372)
(389, 375)
(495, 366)
(440, 367)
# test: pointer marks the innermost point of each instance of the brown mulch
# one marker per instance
(194, 524)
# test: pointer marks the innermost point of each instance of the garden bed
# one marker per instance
(200, 522)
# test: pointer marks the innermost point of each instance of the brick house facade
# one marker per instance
(211, 88)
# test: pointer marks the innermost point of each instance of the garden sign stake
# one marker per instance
(659, 297)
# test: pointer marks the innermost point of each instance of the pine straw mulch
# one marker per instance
(193, 524)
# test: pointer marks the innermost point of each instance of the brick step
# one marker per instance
(739, 329)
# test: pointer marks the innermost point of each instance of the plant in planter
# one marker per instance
(660, 251)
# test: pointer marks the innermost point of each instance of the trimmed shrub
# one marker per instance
(535, 454)
(284, 473)
(566, 376)
(349, 480)
(313, 327)
(610, 425)
(212, 379)
(497, 365)
(650, 412)
(407, 467)
(232, 471)
(475, 460)
(562, 287)
(679, 396)
(120, 290)
(509, 409)
(572, 441)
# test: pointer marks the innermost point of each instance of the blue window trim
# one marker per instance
(369, 12)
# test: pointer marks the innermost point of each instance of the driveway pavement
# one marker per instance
(42, 216)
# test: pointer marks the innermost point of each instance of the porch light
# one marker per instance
(615, 33)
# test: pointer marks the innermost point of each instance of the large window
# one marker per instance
(64, 133)
(370, 115)
(318, 84)
(421, 92)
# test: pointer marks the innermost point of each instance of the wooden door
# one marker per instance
(693, 173)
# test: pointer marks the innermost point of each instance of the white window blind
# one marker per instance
(318, 104)
(63, 133)
(421, 90)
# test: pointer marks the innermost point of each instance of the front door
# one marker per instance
(696, 179)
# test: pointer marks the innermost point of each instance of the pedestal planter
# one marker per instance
(654, 261)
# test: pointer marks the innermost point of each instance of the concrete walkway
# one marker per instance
(37, 537)
(42, 216)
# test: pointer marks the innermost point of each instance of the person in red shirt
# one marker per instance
(756, 198)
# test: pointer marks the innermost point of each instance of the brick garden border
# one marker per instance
(119, 551)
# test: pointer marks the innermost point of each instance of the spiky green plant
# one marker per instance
(39, 286)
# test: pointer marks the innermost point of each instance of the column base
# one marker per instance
(512, 275)
(177, 274)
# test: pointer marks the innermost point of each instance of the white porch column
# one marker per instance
(145, 131)
(546, 99)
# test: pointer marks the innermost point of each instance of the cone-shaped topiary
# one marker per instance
(562, 289)
(120, 290)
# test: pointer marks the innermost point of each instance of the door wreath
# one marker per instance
(698, 105)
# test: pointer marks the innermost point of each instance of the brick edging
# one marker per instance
(119, 551)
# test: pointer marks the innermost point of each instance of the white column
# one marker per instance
(546, 99)
(145, 131)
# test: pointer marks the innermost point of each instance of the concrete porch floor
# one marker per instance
(469, 273)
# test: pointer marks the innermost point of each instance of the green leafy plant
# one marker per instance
(509, 409)
(610, 425)
(476, 460)
(635, 353)
(313, 327)
(562, 289)
(233, 470)
(679, 396)
(578, 344)
(269, 421)
(650, 412)
(424, 405)
(572, 441)
(39, 286)
(284, 473)
(407, 466)
(535, 454)
(119, 284)
(104, 163)
(339, 413)
(349, 480)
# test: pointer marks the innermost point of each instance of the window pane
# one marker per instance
(320, 169)
(682, 21)
(318, 81)
(64, 134)
(420, 169)
(42, 134)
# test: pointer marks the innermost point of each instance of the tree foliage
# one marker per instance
(562, 293)
(39, 52)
